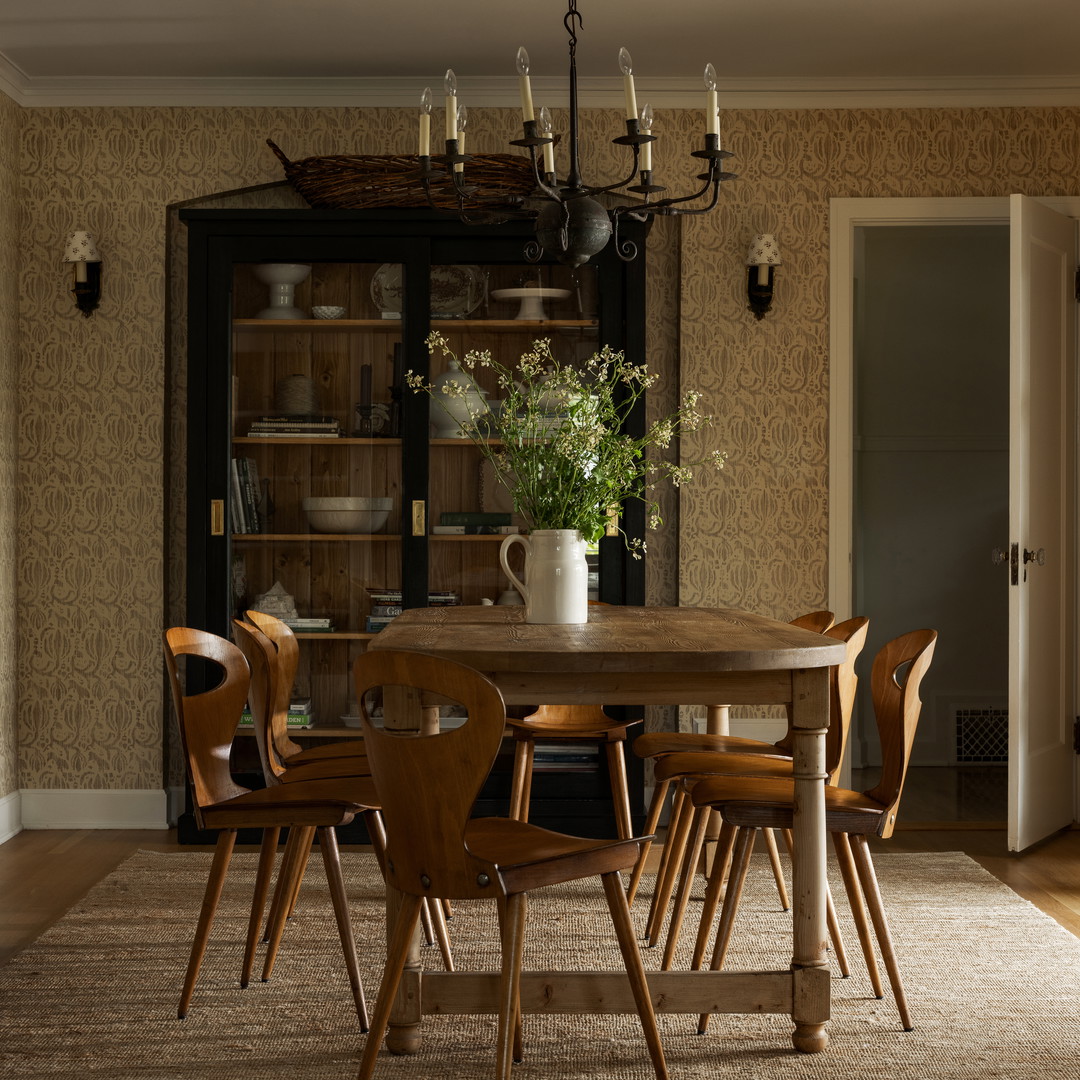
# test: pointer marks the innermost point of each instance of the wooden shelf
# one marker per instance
(302, 440)
(385, 538)
(459, 537)
(389, 326)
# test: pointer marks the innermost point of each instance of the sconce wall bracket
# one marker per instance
(759, 295)
(88, 293)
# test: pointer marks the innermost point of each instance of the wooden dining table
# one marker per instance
(649, 656)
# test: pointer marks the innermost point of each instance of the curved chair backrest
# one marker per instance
(208, 719)
(842, 688)
(427, 784)
(285, 664)
(818, 621)
(896, 708)
(261, 656)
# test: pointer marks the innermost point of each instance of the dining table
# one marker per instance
(648, 655)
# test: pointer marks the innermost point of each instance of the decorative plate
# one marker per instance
(456, 291)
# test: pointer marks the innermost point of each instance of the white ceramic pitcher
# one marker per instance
(556, 586)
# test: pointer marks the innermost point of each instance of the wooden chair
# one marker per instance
(268, 702)
(747, 804)
(207, 722)
(286, 752)
(428, 785)
(687, 769)
(588, 723)
(654, 745)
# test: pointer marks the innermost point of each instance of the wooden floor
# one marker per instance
(42, 874)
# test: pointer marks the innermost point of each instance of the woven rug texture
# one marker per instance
(993, 985)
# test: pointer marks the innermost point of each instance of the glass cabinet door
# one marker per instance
(315, 504)
(469, 509)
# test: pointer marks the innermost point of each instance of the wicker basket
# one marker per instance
(362, 181)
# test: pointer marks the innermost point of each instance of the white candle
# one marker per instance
(462, 121)
(645, 127)
(549, 148)
(450, 84)
(425, 122)
(626, 64)
(712, 116)
(526, 87)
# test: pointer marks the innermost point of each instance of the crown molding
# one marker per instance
(757, 93)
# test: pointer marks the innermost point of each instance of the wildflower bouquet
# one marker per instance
(556, 439)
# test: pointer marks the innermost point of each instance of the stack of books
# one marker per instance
(382, 597)
(307, 427)
(309, 626)
(299, 716)
(473, 523)
(244, 496)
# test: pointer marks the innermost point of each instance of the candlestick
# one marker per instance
(526, 86)
(627, 67)
(450, 85)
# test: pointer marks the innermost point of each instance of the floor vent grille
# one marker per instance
(982, 736)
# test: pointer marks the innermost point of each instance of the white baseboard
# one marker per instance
(46, 808)
(10, 816)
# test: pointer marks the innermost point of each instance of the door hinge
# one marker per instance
(1076, 735)
(1076, 283)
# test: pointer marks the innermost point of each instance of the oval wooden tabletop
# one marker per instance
(616, 639)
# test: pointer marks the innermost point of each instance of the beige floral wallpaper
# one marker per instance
(96, 496)
(9, 291)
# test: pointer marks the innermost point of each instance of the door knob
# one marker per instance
(999, 556)
(1038, 556)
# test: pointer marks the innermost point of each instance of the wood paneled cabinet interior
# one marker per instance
(262, 365)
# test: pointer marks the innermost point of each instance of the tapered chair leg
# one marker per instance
(263, 878)
(297, 849)
(674, 846)
(860, 850)
(635, 970)
(442, 934)
(652, 820)
(521, 781)
(620, 788)
(397, 952)
(223, 850)
(725, 845)
(778, 871)
(512, 914)
(331, 856)
(687, 875)
(740, 863)
(849, 875)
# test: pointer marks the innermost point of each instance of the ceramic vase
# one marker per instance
(556, 585)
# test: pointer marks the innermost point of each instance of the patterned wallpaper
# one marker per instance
(97, 498)
(9, 291)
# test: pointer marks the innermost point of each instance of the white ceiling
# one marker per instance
(305, 52)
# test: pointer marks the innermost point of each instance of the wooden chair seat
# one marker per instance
(207, 721)
(749, 803)
(428, 784)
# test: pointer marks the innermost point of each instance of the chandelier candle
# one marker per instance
(526, 86)
(425, 122)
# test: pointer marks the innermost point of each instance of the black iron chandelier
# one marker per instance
(570, 222)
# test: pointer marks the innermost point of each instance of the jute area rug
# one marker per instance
(994, 988)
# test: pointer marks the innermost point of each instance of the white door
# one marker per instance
(1042, 515)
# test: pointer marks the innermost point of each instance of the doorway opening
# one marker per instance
(931, 497)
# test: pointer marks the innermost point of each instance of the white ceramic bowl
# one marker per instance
(347, 514)
(324, 311)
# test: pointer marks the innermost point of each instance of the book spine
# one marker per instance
(251, 494)
(384, 610)
(469, 517)
(236, 501)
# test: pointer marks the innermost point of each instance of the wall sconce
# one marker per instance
(764, 255)
(81, 251)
